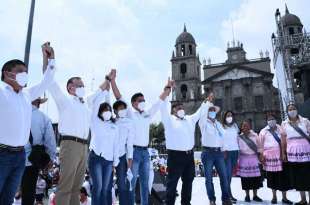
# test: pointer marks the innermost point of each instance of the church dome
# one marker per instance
(185, 37)
(290, 19)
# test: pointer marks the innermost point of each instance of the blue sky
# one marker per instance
(134, 36)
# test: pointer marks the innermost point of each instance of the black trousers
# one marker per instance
(29, 182)
(180, 165)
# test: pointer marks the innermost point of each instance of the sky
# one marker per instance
(136, 37)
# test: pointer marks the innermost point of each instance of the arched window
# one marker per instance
(182, 50)
(183, 69)
(190, 48)
(291, 30)
(183, 91)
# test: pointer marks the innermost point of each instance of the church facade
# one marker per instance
(241, 85)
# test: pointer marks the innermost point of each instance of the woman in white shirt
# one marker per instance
(104, 151)
(296, 150)
(231, 146)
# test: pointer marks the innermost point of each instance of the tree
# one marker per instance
(157, 133)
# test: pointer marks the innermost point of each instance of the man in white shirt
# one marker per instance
(180, 140)
(141, 119)
(15, 118)
(73, 126)
(212, 141)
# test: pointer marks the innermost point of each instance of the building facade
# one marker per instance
(241, 85)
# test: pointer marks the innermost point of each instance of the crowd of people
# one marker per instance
(119, 143)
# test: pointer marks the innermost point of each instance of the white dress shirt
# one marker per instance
(74, 115)
(212, 133)
(179, 133)
(141, 123)
(126, 134)
(231, 137)
(290, 132)
(105, 140)
(104, 134)
(16, 109)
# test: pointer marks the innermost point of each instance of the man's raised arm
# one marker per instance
(55, 90)
(48, 77)
(166, 92)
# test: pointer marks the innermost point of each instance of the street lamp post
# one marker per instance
(29, 33)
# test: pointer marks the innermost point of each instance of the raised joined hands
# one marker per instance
(48, 51)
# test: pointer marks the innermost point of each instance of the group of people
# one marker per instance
(119, 139)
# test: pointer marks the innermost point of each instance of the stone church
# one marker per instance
(240, 84)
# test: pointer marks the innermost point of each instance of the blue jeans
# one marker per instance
(12, 166)
(122, 182)
(209, 160)
(100, 171)
(141, 167)
(230, 162)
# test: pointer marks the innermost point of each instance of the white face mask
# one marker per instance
(292, 113)
(212, 114)
(229, 120)
(22, 79)
(80, 92)
(122, 113)
(106, 115)
(141, 106)
(181, 113)
(272, 123)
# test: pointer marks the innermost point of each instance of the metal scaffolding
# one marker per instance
(286, 62)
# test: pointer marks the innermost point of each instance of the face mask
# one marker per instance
(122, 113)
(21, 79)
(141, 106)
(229, 120)
(212, 115)
(272, 123)
(80, 92)
(181, 113)
(292, 113)
(106, 115)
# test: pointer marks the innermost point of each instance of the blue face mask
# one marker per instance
(212, 115)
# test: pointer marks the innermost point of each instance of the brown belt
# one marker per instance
(72, 138)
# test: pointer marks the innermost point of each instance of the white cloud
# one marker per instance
(89, 37)
(253, 23)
